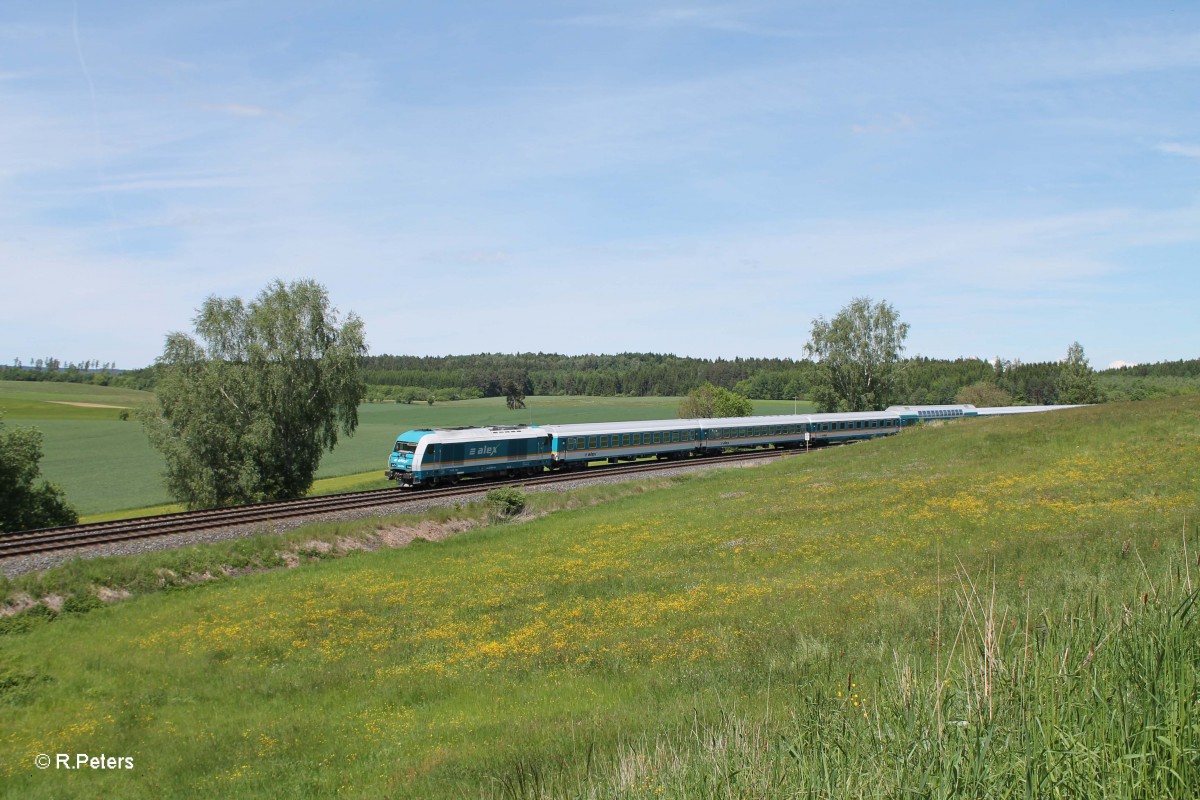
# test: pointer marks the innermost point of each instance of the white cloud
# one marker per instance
(1176, 149)
(238, 110)
(896, 124)
(721, 18)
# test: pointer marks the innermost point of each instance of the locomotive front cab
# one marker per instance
(403, 455)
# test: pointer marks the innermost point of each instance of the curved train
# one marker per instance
(430, 457)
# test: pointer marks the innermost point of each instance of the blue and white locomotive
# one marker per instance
(429, 457)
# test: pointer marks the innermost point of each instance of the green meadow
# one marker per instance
(987, 608)
(106, 465)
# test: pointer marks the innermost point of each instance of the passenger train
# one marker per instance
(430, 457)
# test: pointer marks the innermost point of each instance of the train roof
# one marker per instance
(772, 419)
(1000, 411)
(472, 434)
(628, 426)
(854, 416)
(933, 410)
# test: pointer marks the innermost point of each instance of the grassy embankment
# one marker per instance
(989, 608)
(109, 470)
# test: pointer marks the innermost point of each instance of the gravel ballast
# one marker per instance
(20, 565)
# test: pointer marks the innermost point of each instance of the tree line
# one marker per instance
(920, 380)
(408, 379)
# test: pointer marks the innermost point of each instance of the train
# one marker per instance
(428, 457)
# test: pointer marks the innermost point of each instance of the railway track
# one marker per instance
(27, 543)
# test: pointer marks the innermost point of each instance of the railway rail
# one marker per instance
(46, 540)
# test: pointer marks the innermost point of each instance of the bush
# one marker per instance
(506, 502)
(81, 603)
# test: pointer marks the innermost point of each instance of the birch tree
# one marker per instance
(246, 408)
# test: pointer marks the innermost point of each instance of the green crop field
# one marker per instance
(987, 608)
(106, 465)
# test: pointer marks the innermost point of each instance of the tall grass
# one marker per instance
(1097, 699)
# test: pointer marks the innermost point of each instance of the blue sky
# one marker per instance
(701, 179)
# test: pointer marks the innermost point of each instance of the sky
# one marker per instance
(689, 178)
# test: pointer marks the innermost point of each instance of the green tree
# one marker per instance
(984, 394)
(514, 393)
(24, 503)
(713, 401)
(244, 414)
(858, 355)
(1077, 384)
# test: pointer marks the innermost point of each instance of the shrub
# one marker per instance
(81, 603)
(505, 502)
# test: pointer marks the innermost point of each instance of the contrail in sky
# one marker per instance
(103, 178)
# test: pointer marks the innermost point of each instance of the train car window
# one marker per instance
(658, 438)
(592, 442)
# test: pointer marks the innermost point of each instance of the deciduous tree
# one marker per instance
(1077, 383)
(245, 412)
(26, 504)
(713, 401)
(984, 394)
(514, 393)
(858, 356)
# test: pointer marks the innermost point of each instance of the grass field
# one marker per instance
(985, 608)
(106, 465)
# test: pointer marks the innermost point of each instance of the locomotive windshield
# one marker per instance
(405, 447)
